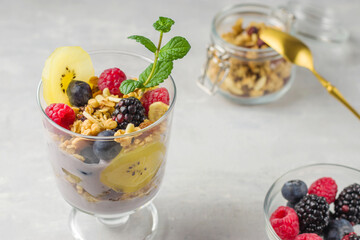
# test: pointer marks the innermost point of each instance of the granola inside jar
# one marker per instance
(240, 65)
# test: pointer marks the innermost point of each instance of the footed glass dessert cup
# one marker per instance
(343, 175)
(111, 198)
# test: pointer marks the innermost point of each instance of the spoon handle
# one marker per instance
(335, 93)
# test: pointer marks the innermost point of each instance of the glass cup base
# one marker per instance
(142, 225)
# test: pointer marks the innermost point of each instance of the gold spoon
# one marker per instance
(298, 53)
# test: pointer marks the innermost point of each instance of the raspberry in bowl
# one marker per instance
(324, 197)
(107, 152)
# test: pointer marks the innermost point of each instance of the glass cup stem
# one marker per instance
(114, 222)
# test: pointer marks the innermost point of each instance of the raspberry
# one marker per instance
(285, 222)
(61, 114)
(324, 187)
(156, 95)
(347, 205)
(351, 236)
(308, 236)
(112, 78)
(313, 213)
(128, 110)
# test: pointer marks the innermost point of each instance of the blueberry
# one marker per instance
(89, 155)
(79, 93)
(294, 190)
(290, 204)
(337, 229)
(106, 149)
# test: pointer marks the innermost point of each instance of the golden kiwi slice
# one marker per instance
(64, 65)
(131, 171)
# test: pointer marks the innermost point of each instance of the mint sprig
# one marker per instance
(163, 24)
(175, 49)
(144, 41)
(162, 66)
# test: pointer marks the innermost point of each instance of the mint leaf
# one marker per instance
(144, 41)
(145, 74)
(176, 48)
(163, 24)
(129, 86)
(162, 72)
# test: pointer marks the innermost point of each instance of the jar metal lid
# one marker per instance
(316, 21)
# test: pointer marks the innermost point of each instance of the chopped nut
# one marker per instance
(100, 98)
(79, 189)
(81, 158)
(255, 93)
(129, 128)
(260, 83)
(110, 124)
(94, 81)
(89, 197)
(106, 92)
(71, 177)
(119, 132)
(76, 110)
(237, 28)
(76, 127)
(89, 109)
(104, 109)
(114, 99)
(78, 143)
(92, 119)
(96, 93)
(108, 103)
(94, 103)
(95, 129)
(145, 123)
(86, 132)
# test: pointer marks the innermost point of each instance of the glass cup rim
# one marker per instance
(108, 51)
(223, 13)
(266, 200)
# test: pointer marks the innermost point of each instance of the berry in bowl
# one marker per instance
(107, 123)
(320, 201)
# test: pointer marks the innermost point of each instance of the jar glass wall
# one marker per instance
(240, 66)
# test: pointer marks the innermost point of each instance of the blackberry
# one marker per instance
(128, 110)
(347, 205)
(313, 213)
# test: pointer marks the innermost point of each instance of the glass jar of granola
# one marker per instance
(239, 64)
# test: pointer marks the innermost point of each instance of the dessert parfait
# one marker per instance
(108, 125)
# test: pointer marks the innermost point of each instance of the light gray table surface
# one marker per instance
(223, 157)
